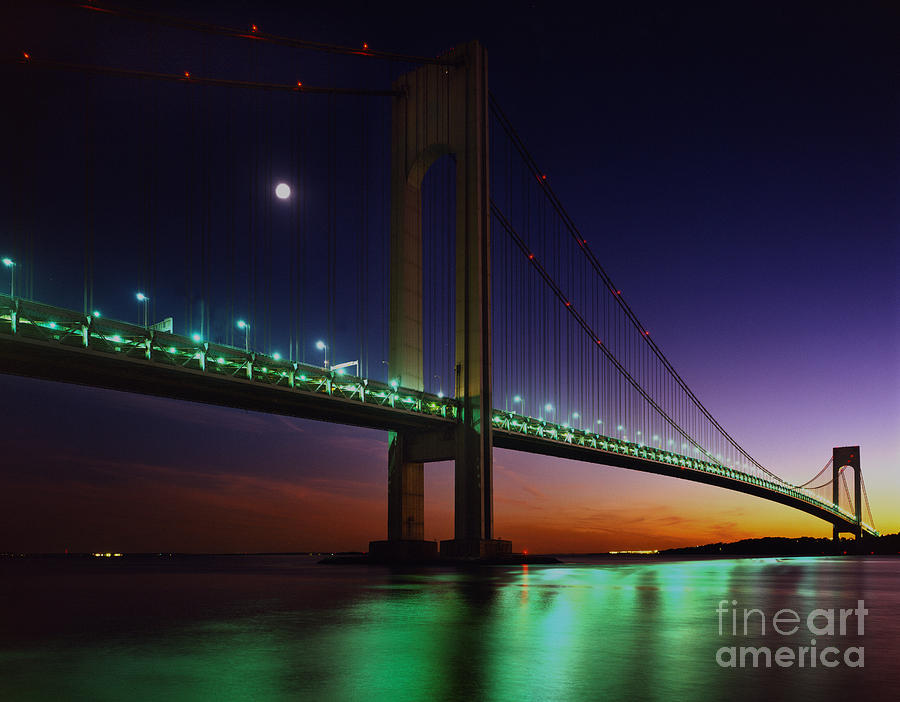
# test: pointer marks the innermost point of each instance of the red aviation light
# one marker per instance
(531, 257)
(26, 55)
(299, 84)
(365, 45)
(254, 28)
(187, 74)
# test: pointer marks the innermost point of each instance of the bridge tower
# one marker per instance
(442, 109)
(847, 456)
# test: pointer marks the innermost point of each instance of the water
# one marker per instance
(284, 628)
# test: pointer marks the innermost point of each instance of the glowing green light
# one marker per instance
(517, 398)
(302, 377)
(548, 407)
(599, 421)
(8, 262)
(196, 337)
(265, 370)
(395, 384)
(172, 349)
(52, 325)
(96, 313)
(220, 360)
(620, 427)
(116, 338)
(341, 371)
(440, 394)
(241, 324)
(276, 356)
(575, 415)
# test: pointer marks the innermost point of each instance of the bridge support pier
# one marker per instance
(406, 506)
(843, 456)
(442, 109)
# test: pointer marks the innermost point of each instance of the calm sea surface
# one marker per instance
(284, 628)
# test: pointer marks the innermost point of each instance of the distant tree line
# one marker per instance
(888, 544)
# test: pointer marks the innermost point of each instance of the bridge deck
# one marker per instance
(52, 343)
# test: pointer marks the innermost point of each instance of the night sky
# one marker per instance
(736, 165)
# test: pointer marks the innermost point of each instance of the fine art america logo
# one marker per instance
(832, 623)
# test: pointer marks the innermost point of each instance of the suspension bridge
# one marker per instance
(417, 233)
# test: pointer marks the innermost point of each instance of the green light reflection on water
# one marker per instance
(623, 630)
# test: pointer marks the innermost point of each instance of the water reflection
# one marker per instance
(289, 630)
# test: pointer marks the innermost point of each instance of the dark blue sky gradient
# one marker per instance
(736, 169)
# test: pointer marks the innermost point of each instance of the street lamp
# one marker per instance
(322, 347)
(241, 324)
(144, 299)
(9, 263)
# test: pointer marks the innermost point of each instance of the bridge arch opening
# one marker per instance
(438, 197)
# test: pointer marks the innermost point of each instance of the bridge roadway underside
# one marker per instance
(37, 359)
(534, 444)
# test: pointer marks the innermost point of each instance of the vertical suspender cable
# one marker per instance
(88, 201)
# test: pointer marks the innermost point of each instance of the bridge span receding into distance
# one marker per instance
(51, 343)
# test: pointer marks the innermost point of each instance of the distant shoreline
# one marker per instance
(886, 545)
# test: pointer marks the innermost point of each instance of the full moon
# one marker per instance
(283, 191)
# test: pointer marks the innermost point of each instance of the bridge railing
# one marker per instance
(33, 320)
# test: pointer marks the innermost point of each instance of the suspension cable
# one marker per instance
(582, 243)
(254, 34)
